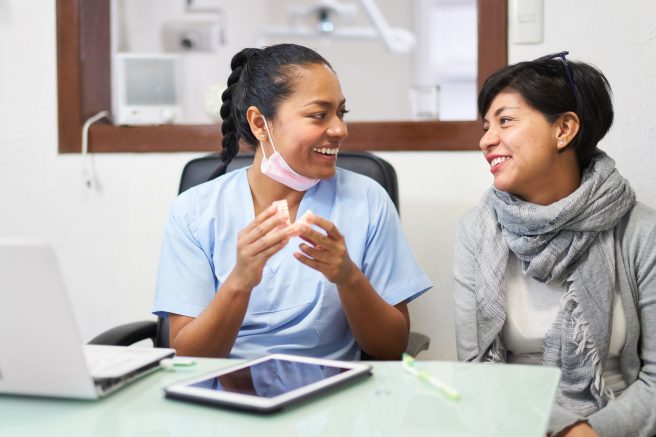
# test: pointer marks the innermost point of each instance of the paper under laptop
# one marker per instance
(41, 352)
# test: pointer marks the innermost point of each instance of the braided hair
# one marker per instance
(261, 78)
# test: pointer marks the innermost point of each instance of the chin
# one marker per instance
(323, 171)
(327, 174)
(502, 185)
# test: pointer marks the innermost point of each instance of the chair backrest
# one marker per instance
(199, 170)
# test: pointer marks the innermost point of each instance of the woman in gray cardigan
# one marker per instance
(557, 264)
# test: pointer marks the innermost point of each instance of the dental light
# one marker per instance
(396, 40)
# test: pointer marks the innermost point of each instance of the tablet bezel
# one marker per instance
(183, 390)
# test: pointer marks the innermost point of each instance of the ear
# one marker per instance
(256, 123)
(567, 126)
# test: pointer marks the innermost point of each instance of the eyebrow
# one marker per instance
(501, 109)
(325, 103)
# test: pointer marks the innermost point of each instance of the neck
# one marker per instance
(563, 178)
(265, 190)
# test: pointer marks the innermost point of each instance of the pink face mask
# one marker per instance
(277, 168)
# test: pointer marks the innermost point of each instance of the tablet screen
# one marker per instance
(270, 378)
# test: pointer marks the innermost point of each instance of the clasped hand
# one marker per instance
(325, 253)
(270, 232)
(256, 243)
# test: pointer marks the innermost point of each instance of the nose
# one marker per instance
(490, 139)
(338, 130)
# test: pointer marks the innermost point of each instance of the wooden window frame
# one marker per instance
(84, 88)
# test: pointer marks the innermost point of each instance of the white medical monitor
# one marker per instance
(146, 88)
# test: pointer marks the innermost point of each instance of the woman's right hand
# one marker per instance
(581, 429)
(256, 243)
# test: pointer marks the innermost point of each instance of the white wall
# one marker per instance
(108, 242)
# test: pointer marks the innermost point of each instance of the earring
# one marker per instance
(562, 143)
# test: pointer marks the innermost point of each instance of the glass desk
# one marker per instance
(497, 400)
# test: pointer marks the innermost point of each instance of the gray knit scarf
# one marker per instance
(570, 241)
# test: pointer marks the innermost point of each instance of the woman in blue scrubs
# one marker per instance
(237, 279)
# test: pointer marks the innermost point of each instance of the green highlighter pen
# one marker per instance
(425, 376)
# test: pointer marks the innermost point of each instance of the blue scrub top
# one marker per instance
(294, 309)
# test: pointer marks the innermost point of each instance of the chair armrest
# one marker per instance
(416, 343)
(125, 335)
(130, 333)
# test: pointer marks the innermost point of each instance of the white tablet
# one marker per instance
(269, 383)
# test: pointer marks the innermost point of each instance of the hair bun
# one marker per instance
(242, 58)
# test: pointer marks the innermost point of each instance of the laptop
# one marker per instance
(41, 351)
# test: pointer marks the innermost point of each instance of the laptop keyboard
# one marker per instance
(114, 361)
(106, 362)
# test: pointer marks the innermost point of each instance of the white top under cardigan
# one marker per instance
(532, 307)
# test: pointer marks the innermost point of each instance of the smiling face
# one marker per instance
(309, 125)
(526, 152)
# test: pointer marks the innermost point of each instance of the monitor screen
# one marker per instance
(150, 81)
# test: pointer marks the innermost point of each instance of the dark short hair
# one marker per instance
(261, 78)
(545, 86)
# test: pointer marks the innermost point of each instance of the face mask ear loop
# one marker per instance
(266, 126)
(263, 152)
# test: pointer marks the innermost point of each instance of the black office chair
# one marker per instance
(198, 171)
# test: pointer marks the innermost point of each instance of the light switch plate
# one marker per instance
(526, 21)
(5, 12)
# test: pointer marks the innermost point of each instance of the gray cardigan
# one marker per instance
(634, 412)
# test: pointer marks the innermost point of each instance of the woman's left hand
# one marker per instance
(325, 253)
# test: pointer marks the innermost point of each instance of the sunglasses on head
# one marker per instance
(570, 77)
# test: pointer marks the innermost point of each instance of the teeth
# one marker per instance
(498, 160)
(326, 150)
